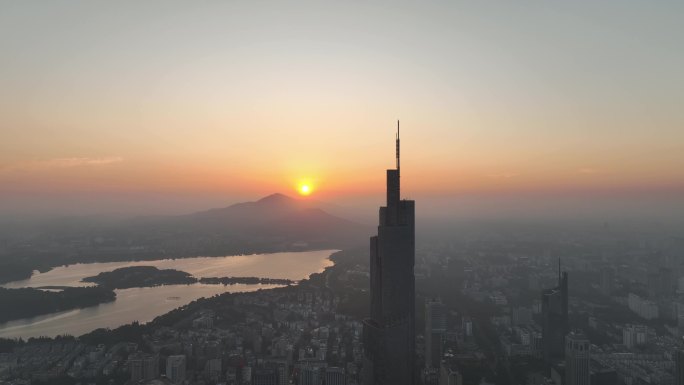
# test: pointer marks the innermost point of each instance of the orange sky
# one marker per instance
(236, 101)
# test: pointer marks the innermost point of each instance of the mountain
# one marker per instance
(276, 222)
(276, 215)
(271, 224)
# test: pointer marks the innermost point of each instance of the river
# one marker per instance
(144, 304)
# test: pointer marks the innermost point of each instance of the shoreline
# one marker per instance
(46, 269)
(13, 324)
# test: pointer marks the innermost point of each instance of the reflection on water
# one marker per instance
(294, 266)
(143, 304)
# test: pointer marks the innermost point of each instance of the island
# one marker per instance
(140, 276)
(30, 302)
(147, 276)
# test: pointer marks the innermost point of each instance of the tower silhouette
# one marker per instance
(389, 333)
(555, 319)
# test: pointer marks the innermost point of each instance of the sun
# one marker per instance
(304, 189)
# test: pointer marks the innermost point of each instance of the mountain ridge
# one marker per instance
(274, 218)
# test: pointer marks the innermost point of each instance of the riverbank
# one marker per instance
(30, 302)
(145, 304)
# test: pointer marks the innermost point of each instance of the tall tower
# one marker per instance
(389, 333)
(577, 356)
(555, 319)
(435, 328)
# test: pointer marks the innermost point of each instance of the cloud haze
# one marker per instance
(59, 163)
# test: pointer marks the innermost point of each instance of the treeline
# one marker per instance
(146, 276)
(29, 302)
(141, 276)
(14, 271)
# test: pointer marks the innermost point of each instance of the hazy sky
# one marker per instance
(160, 105)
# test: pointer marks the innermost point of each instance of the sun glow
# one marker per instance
(305, 187)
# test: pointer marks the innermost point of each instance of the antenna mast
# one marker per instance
(397, 145)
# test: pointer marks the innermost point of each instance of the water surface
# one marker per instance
(143, 304)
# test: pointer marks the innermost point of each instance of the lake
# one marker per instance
(144, 304)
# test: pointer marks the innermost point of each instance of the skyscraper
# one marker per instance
(389, 335)
(607, 276)
(679, 367)
(143, 366)
(555, 319)
(310, 375)
(335, 376)
(175, 368)
(577, 356)
(265, 376)
(435, 327)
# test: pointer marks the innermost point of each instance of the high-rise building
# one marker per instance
(679, 367)
(389, 335)
(634, 335)
(607, 277)
(310, 375)
(435, 327)
(265, 376)
(335, 376)
(175, 368)
(246, 374)
(448, 375)
(280, 366)
(577, 357)
(212, 368)
(645, 308)
(555, 319)
(143, 366)
(467, 326)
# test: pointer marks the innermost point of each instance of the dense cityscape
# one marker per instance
(543, 307)
(221, 193)
(479, 319)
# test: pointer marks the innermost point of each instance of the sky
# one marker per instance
(135, 107)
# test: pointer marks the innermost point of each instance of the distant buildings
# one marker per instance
(607, 277)
(279, 366)
(265, 376)
(143, 366)
(212, 368)
(175, 368)
(521, 316)
(389, 333)
(310, 375)
(467, 326)
(661, 282)
(435, 327)
(679, 367)
(634, 335)
(335, 376)
(555, 319)
(645, 308)
(577, 357)
(449, 375)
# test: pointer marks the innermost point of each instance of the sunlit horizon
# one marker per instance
(499, 103)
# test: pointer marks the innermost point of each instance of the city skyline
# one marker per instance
(193, 193)
(389, 336)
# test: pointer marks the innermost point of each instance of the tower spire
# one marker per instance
(397, 145)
